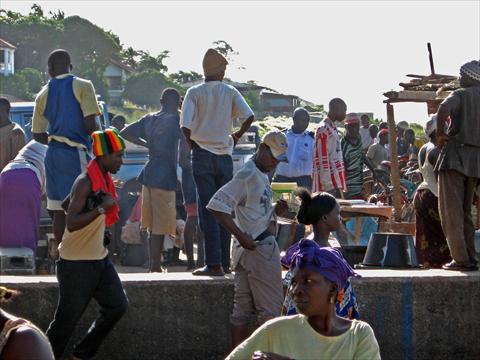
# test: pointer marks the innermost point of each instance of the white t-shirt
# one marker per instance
(208, 110)
(300, 155)
(249, 195)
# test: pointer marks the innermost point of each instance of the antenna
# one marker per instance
(430, 58)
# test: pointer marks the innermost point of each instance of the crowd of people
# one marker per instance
(319, 306)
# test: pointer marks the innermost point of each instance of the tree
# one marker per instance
(145, 88)
(129, 56)
(17, 86)
(149, 62)
(225, 49)
(34, 79)
(182, 77)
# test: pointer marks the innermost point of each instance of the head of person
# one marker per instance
(118, 122)
(170, 99)
(318, 274)
(214, 65)
(301, 119)
(108, 148)
(383, 125)
(365, 121)
(271, 151)
(59, 62)
(337, 109)
(352, 125)
(7, 294)
(373, 130)
(470, 74)
(383, 136)
(401, 127)
(410, 136)
(431, 129)
(4, 111)
(321, 210)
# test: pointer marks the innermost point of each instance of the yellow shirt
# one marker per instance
(292, 336)
(86, 243)
(84, 93)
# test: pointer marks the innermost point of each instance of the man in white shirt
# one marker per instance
(255, 253)
(300, 152)
(208, 112)
(365, 132)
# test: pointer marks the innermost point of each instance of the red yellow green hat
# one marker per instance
(107, 142)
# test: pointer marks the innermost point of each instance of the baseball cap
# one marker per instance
(278, 144)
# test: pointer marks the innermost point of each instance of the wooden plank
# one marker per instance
(367, 210)
(394, 169)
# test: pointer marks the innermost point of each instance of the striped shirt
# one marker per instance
(328, 168)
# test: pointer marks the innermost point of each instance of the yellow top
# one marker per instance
(86, 243)
(84, 93)
(292, 336)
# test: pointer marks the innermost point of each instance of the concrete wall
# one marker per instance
(424, 314)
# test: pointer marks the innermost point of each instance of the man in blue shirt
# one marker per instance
(300, 152)
(160, 133)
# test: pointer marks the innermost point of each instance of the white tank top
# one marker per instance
(428, 173)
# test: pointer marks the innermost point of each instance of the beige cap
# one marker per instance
(213, 63)
(278, 144)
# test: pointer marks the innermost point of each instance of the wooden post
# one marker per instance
(394, 169)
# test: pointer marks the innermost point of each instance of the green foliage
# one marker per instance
(33, 78)
(129, 56)
(183, 77)
(149, 62)
(314, 108)
(16, 85)
(252, 98)
(145, 88)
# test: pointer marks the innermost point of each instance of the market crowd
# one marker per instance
(312, 311)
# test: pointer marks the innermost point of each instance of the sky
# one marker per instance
(318, 50)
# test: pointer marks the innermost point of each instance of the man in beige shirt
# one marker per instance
(208, 112)
(12, 137)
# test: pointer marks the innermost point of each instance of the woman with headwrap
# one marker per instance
(323, 212)
(317, 332)
(22, 183)
(430, 243)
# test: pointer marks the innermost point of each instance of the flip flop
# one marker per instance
(454, 266)
(206, 271)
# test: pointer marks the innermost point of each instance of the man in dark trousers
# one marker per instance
(84, 270)
(160, 133)
(459, 166)
(64, 118)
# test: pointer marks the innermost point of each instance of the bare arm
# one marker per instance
(27, 343)
(245, 126)
(187, 132)
(442, 117)
(90, 124)
(41, 138)
(227, 221)
(129, 134)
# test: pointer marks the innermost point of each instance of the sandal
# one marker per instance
(454, 266)
(208, 271)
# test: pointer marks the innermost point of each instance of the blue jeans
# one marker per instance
(211, 172)
(79, 281)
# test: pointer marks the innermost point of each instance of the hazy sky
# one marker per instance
(315, 49)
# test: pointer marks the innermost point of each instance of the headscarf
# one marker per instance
(107, 142)
(472, 70)
(431, 125)
(326, 261)
(381, 132)
(213, 63)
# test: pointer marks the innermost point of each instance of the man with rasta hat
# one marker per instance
(208, 112)
(84, 270)
(459, 166)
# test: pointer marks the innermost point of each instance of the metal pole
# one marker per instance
(430, 58)
(394, 169)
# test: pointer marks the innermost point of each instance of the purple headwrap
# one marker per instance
(326, 261)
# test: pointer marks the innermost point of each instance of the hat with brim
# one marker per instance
(278, 144)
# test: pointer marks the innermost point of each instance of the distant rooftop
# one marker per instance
(4, 44)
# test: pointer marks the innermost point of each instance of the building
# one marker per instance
(7, 58)
(276, 103)
(116, 73)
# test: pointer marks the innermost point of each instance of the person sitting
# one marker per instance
(19, 338)
(323, 212)
(22, 183)
(317, 332)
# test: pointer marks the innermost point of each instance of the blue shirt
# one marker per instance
(300, 155)
(161, 131)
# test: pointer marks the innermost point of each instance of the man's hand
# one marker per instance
(247, 242)
(236, 136)
(442, 140)
(260, 355)
(281, 207)
(107, 202)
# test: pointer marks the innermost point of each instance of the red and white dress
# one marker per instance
(328, 169)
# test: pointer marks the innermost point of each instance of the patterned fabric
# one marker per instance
(353, 159)
(107, 142)
(472, 70)
(328, 168)
(346, 305)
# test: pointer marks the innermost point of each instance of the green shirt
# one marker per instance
(292, 336)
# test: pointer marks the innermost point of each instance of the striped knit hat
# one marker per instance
(472, 70)
(107, 142)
